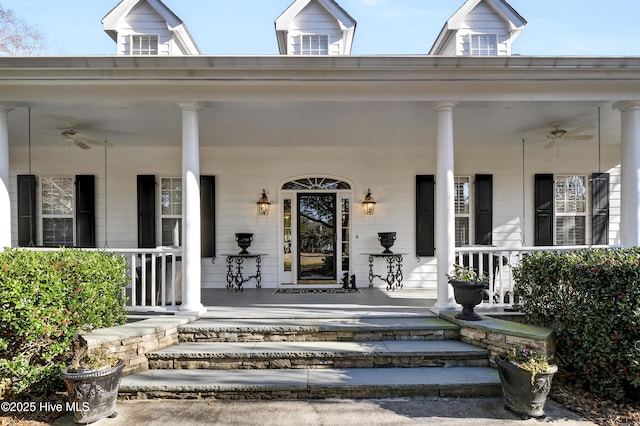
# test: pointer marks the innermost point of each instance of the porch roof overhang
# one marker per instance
(411, 78)
(268, 100)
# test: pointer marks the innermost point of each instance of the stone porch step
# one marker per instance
(302, 329)
(311, 384)
(328, 354)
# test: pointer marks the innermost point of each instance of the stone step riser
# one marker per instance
(317, 336)
(357, 392)
(247, 363)
(312, 384)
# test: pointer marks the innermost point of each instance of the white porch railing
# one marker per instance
(497, 264)
(156, 279)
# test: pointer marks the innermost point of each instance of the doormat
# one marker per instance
(315, 291)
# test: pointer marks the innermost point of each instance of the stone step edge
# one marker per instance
(430, 324)
(198, 350)
(312, 384)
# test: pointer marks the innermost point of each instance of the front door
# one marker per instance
(316, 238)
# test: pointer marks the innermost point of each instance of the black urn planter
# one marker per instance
(93, 393)
(520, 395)
(244, 241)
(386, 240)
(468, 294)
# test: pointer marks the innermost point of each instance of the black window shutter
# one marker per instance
(85, 211)
(208, 215)
(600, 208)
(146, 211)
(425, 215)
(26, 210)
(484, 209)
(544, 210)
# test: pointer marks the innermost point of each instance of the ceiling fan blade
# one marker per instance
(577, 130)
(81, 144)
(550, 144)
(98, 143)
(579, 138)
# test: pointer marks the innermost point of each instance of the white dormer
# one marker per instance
(148, 27)
(480, 28)
(315, 27)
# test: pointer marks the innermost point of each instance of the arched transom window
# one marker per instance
(316, 183)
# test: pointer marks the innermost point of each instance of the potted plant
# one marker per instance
(468, 289)
(526, 377)
(92, 382)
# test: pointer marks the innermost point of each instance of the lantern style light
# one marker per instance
(264, 205)
(368, 204)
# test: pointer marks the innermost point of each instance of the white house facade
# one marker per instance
(458, 152)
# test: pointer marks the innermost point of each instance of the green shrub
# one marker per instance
(591, 298)
(46, 300)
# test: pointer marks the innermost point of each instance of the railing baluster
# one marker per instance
(133, 279)
(501, 282)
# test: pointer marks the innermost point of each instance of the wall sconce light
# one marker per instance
(264, 205)
(368, 204)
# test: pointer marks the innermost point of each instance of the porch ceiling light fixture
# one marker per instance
(264, 205)
(368, 204)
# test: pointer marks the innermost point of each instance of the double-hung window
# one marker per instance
(570, 210)
(314, 44)
(144, 44)
(171, 210)
(483, 44)
(57, 211)
(462, 210)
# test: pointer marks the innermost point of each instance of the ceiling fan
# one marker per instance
(81, 140)
(559, 134)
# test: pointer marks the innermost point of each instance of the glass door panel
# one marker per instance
(316, 238)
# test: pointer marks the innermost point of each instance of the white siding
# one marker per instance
(483, 20)
(315, 19)
(143, 19)
(241, 173)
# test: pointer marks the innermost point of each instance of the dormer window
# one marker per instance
(483, 45)
(314, 45)
(144, 44)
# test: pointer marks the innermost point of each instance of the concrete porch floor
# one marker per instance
(369, 302)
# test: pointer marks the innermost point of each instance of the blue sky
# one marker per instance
(245, 27)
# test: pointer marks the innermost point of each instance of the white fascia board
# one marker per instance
(501, 7)
(123, 9)
(184, 39)
(443, 38)
(283, 21)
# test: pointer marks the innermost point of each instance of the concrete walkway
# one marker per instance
(373, 412)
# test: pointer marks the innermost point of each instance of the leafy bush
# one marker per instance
(591, 298)
(46, 300)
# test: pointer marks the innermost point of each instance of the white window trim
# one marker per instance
(42, 215)
(468, 215)
(302, 36)
(162, 216)
(471, 44)
(131, 37)
(585, 214)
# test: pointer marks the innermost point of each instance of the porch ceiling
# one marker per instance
(310, 101)
(282, 123)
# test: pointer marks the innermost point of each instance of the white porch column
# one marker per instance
(191, 262)
(630, 172)
(5, 205)
(445, 212)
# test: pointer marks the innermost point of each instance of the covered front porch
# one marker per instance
(157, 126)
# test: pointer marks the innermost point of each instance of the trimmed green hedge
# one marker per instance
(591, 298)
(46, 300)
